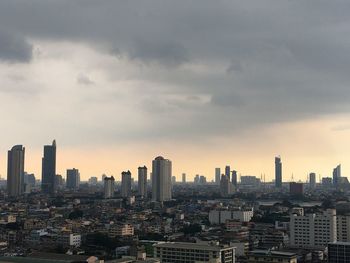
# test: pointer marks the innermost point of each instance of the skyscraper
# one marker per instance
(225, 186)
(161, 179)
(49, 169)
(336, 175)
(183, 178)
(312, 180)
(234, 178)
(217, 175)
(278, 172)
(15, 171)
(142, 181)
(228, 171)
(108, 185)
(126, 184)
(73, 178)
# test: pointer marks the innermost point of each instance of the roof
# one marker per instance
(272, 253)
(187, 245)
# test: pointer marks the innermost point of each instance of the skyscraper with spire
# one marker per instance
(15, 171)
(49, 169)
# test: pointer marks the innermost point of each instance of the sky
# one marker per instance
(203, 83)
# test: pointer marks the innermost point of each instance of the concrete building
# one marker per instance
(176, 252)
(142, 181)
(48, 175)
(73, 179)
(268, 256)
(339, 252)
(15, 171)
(221, 216)
(217, 176)
(312, 180)
(343, 228)
(226, 188)
(183, 178)
(108, 187)
(228, 172)
(93, 180)
(313, 231)
(69, 240)
(234, 178)
(327, 182)
(336, 175)
(296, 189)
(126, 184)
(161, 179)
(278, 172)
(121, 230)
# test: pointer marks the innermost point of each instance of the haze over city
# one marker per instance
(118, 83)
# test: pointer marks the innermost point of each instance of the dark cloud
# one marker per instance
(14, 48)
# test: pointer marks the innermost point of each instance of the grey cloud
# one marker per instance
(84, 80)
(14, 48)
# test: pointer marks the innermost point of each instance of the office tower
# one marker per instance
(193, 252)
(217, 176)
(296, 188)
(15, 171)
(313, 231)
(142, 181)
(59, 181)
(183, 178)
(73, 178)
(202, 180)
(126, 184)
(228, 171)
(312, 180)
(196, 179)
(336, 175)
(278, 172)
(29, 179)
(108, 186)
(161, 179)
(173, 180)
(225, 186)
(234, 178)
(49, 169)
(339, 252)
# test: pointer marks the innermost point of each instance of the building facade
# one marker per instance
(278, 172)
(108, 187)
(15, 171)
(126, 184)
(73, 179)
(48, 175)
(142, 181)
(161, 179)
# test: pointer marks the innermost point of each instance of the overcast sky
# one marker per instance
(204, 83)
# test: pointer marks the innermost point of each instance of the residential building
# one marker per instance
(108, 187)
(336, 175)
(268, 256)
(312, 180)
(183, 178)
(15, 171)
(176, 252)
(217, 176)
(142, 181)
(296, 188)
(126, 184)
(69, 239)
(73, 179)
(221, 216)
(313, 231)
(278, 172)
(339, 252)
(343, 228)
(161, 179)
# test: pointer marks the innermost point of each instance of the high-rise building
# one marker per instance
(49, 169)
(183, 178)
(73, 178)
(142, 181)
(312, 180)
(108, 187)
(93, 180)
(15, 171)
(343, 228)
(202, 180)
(234, 178)
(278, 172)
(313, 231)
(173, 180)
(161, 179)
(59, 182)
(336, 175)
(196, 179)
(228, 171)
(225, 186)
(126, 184)
(217, 176)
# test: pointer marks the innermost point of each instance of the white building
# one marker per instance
(313, 230)
(343, 228)
(220, 216)
(69, 239)
(175, 252)
(161, 179)
(108, 187)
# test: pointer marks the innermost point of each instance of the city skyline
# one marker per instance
(208, 86)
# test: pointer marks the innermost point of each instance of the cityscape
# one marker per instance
(179, 131)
